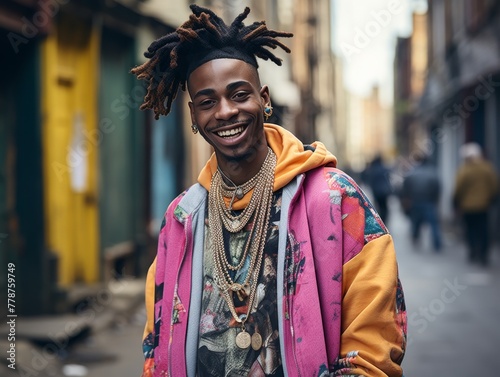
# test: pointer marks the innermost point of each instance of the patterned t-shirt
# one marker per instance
(218, 354)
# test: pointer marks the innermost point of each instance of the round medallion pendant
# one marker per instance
(256, 341)
(239, 193)
(243, 340)
(235, 223)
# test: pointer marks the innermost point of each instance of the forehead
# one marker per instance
(220, 72)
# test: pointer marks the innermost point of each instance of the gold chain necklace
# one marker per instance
(235, 223)
(236, 191)
(258, 209)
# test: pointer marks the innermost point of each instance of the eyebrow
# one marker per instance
(229, 87)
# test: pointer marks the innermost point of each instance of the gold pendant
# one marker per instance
(243, 340)
(242, 290)
(256, 341)
(235, 223)
(235, 287)
(239, 193)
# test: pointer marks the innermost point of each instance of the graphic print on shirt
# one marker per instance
(218, 354)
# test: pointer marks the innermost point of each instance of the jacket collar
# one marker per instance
(191, 201)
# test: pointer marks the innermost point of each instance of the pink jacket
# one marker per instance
(341, 306)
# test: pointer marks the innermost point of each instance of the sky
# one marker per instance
(364, 37)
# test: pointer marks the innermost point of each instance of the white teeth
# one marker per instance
(231, 132)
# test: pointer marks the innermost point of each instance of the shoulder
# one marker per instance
(332, 178)
(341, 191)
(333, 182)
(184, 204)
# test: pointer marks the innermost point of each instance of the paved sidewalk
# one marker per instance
(45, 345)
(452, 306)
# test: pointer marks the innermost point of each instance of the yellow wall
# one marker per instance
(69, 97)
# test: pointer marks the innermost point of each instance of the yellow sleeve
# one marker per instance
(150, 299)
(373, 325)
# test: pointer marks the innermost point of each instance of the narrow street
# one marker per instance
(453, 307)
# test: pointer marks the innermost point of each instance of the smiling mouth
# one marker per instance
(232, 132)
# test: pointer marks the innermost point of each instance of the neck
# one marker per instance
(239, 171)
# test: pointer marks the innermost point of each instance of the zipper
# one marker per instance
(292, 332)
(186, 233)
(289, 306)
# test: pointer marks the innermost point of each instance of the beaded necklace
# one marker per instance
(258, 209)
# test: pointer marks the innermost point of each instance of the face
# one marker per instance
(227, 105)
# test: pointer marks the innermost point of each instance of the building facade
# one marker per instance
(21, 186)
(410, 74)
(461, 100)
(81, 168)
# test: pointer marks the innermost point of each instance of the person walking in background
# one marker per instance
(274, 263)
(377, 177)
(420, 194)
(476, 188)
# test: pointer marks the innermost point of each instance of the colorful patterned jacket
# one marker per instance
(341, 305)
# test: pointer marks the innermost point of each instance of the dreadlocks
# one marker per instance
(174, 56)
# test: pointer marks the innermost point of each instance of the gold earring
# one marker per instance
(194, 128)
(268, 111)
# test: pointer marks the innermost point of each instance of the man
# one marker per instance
(378, 178)
(421, 191)
(274, 263)
(476, 187)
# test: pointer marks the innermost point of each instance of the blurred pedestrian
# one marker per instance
(420, 194)
(274, 263)
(476, 188)
(377, 177)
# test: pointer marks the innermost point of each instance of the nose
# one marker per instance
(226, 110)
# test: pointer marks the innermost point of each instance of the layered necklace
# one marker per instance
(258, 209)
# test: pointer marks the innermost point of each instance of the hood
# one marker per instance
(292, 160)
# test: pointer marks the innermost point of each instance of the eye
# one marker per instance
(206, 103)
(239, 96)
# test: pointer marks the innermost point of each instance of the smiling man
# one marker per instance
(275, 263)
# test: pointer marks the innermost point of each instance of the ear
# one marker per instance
(264, 94)
(191, 110)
